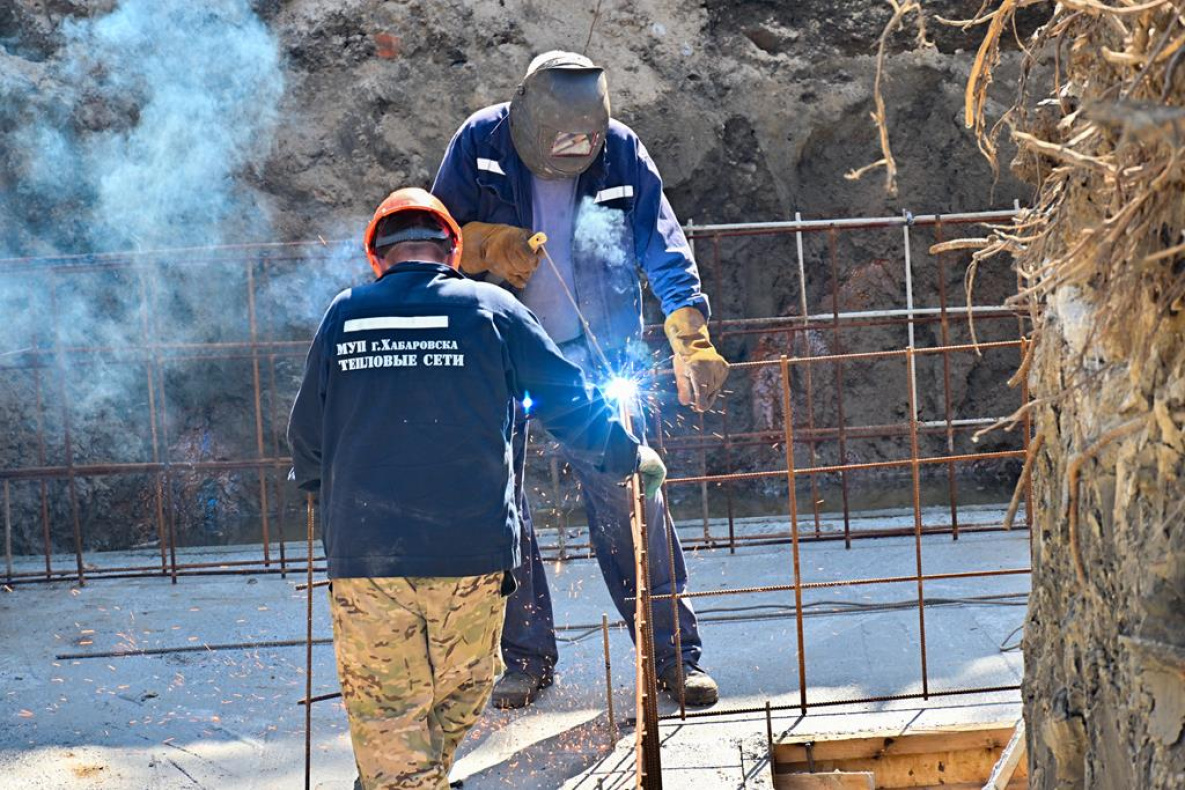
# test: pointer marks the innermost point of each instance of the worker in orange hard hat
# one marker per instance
(403, 426)
(411, 215)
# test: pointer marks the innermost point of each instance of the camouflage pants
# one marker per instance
(417, 658)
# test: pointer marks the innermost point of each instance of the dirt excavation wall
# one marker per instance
(1103, 259)
(140, 124)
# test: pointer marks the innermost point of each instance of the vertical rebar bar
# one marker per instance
(909, 324)
(608, 680)
(728, 500)
(837, 348)
(808, 385)
(162, 405)
(263, 505)
(952, 485)
(917, 513)
(7, 531)
(150, 372)
(561, 516)
(308, 651)
(675, 593)
(47, 542)
(647, 756)
(281, 478)
(703, 487)
(769, 741)
(788, 420)
(71, 481)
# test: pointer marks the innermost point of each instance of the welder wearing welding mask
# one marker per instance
(553, 160)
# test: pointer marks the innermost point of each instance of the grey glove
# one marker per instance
(651, 469)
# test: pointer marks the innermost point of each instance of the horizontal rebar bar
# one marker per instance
(842, 583)
(705, 714)
(854, 223)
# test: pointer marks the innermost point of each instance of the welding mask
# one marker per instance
(560, 114)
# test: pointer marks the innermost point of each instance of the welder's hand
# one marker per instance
(700, 371)
(501, 250)
(651, 469)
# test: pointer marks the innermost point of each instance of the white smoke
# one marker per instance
(143, 129)
(603, 234)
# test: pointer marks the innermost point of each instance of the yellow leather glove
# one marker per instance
(501, 250)
(700, 371)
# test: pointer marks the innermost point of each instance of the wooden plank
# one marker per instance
(794, 753)
(826, 781)
(1009, 760)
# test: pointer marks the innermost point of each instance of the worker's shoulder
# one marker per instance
(487, 118)
(494, 298)
(619, 130)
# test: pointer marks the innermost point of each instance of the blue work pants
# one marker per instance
(528, 636)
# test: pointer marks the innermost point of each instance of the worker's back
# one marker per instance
(418, 375)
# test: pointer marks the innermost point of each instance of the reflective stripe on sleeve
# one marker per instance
(614, 193)
(490, 166)
(397, 322)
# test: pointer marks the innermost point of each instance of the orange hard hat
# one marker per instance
(412, 199)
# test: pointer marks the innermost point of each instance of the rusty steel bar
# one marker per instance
(859, 534)
(169, 255)
(41, 459)
(7, 531)
(728, 493)
(788, 423)
(917, 515)
(703, 486)
(71, 480)
(821, 470)
(714, 713)
(150, 373)
(847, 583)
(808, 384)
(826, 434)
(561, 516)
(648, 758)
(308, 653)
(854, 223)
(944, 326)
(170, 510)
(251, 322)
(101, 470)
(890, 354)
(854, 319)
(674, 596)
(837, 343)
(608, 681)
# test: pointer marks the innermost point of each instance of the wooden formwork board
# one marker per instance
(951, 758)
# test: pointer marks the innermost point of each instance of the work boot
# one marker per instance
(698, 687)
(518, 689)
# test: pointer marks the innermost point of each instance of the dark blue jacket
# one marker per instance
(403, 422)
(483, 179)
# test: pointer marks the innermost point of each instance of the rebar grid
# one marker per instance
(798, 431)
(269, 463)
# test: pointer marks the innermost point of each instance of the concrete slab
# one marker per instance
(228, 718)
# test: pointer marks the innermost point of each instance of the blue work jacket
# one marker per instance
(483, 179)
(404, 416)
